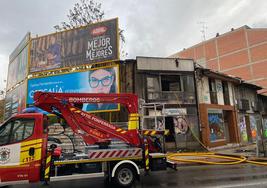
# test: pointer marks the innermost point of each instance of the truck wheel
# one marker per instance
(125, 176)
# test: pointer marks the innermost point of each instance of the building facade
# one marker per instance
(167, 92)
(263, 106)
(170, 83)
(241, 52)
(217, 108)
(248, 112)
(169, 88)
(262, 101)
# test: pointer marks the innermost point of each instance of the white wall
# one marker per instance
(169, 64)
(204, 94)
(203, 90)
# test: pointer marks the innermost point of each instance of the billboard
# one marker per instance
(15, 100)
(93, 43)
(18, 61)
(100, 80)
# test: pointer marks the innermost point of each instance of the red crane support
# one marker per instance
(93, 129)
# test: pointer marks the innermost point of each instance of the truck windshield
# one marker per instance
(16, 130)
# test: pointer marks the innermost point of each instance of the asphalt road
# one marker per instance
(243, 175)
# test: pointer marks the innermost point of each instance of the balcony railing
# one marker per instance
(172, 97)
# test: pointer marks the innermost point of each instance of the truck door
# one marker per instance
(20, 149)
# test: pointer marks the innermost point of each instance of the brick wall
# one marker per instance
(241, 52)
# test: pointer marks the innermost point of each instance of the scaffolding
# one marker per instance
(152, 117)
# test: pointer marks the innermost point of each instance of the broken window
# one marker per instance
(170, 83)
(153, 87)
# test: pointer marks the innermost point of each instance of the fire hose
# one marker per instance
(181, 157)
(225, 158)
(231, 159)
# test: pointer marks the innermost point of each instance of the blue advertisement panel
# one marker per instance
(100, 80)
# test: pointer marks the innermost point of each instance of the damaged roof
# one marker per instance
(225, 77)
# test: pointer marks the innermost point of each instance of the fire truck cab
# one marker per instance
(23, 140)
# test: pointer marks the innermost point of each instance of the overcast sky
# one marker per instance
(152, 27)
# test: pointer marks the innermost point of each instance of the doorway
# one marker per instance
(170, 126)
(170, 138)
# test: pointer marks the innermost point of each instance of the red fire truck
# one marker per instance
(26, 156)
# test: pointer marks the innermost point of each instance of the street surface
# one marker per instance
(243, 175)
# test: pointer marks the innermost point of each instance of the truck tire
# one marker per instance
(125, 175)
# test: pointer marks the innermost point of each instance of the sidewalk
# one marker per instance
(248, 151)
(236, 149)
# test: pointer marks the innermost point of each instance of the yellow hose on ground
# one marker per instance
(177, 157)
(256, 162)
(233, 160)
(237, 159)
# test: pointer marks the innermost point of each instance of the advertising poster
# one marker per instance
(15, 100)
(100, 80)
(94, 43)
(17, 69)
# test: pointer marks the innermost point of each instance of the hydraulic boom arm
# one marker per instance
(92, 128)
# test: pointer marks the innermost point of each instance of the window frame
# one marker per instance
(167, 76)
(10, 131)
(188, 78)
(153, 77)
(213, 91)
(12, 127)
(226, 95)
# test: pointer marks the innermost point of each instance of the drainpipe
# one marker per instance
(197, 103)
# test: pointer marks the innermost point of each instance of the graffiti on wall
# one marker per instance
(180, 125)
(219, 87)
(217, 131)
(253, 127)
(243, 129)
(265, 127)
